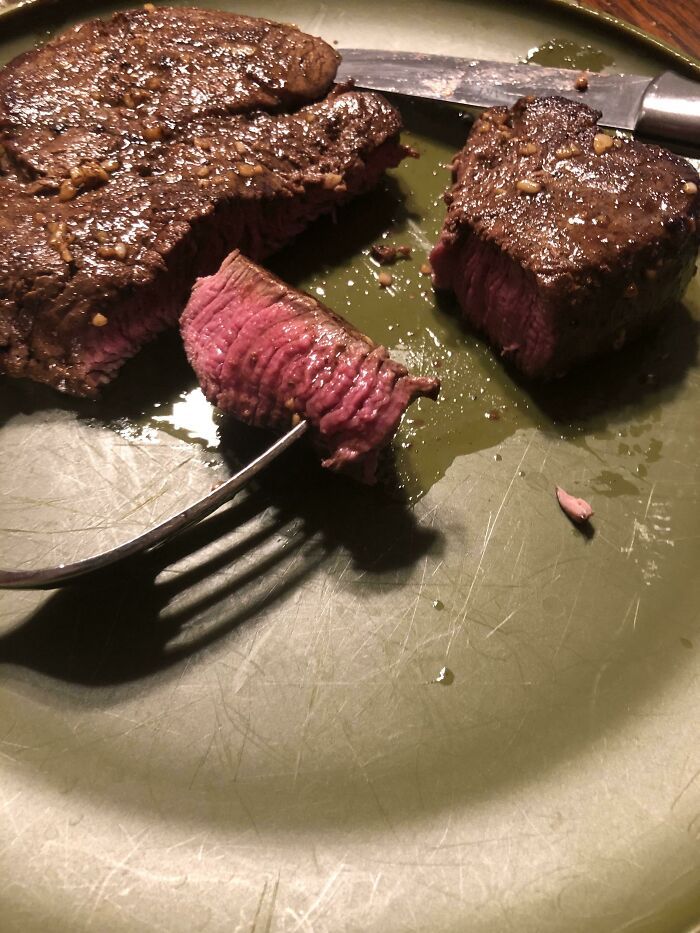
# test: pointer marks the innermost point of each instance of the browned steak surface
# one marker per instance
(562, 241)
(138, 151)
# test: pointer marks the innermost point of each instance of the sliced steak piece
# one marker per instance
(269, 355)
(561, 242)
(137, 152)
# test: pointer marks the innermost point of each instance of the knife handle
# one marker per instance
(670, 110)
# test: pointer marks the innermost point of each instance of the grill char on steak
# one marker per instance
(266, 353)
(588, 257)
(138, 151)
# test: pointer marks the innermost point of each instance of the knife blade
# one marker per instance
(666, 107)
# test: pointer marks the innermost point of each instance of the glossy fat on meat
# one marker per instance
(560, 241)
(269, 355)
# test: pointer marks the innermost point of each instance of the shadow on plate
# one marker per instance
(643, 373)
(343, 235)
(601, 391)
(147, 614)
(45, 17)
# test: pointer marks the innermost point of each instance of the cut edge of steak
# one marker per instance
(99, 255)
(562, 242)
(162, 301)
(270, 355)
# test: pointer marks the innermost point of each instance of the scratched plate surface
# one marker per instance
(434, 705)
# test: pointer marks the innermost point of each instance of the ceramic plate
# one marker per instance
(430, 706)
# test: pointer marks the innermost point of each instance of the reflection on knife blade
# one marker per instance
(668, 106)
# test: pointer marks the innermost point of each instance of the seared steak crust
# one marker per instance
(561, 241)
(138, 151)
(269, 354)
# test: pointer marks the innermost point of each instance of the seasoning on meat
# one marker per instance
(551, 234)
(270, 355)
(149, 145)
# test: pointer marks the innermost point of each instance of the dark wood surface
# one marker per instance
(675, 21)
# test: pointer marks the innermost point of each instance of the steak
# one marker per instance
(137, 152)
(270, 355)
(560, 241)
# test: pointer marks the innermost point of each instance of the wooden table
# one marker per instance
(675, 21)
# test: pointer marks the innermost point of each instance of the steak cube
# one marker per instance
(562, 242)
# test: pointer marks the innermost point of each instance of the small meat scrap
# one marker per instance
(578, 510)
(387, 255)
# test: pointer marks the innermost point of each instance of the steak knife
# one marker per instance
(666, 107)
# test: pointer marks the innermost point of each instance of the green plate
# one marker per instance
(430, 706)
